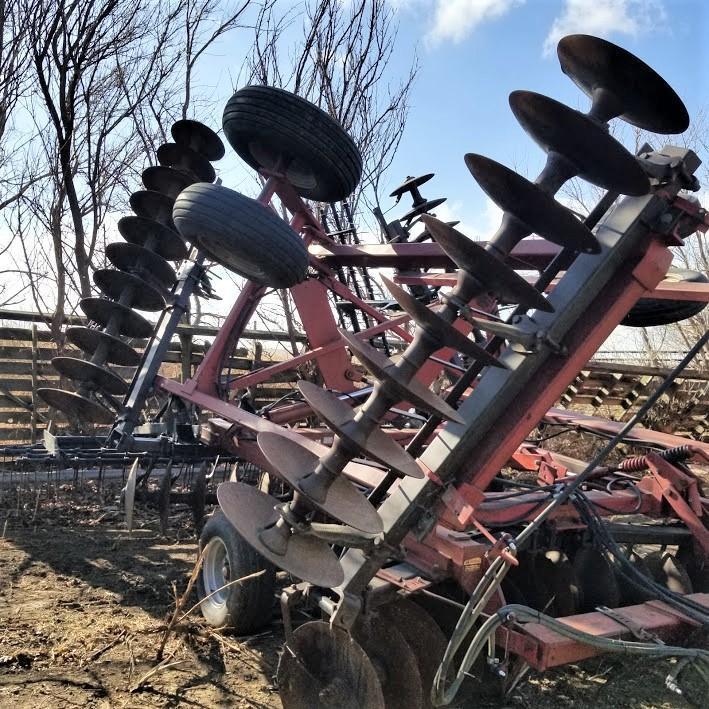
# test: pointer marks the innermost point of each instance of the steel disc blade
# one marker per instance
(412, 391)
(667, 570)
(494, 275)
(531, 205)
(199, 137)
(426, 206)
(80, 370)
(130, 323)
(395, 661)
(554, 572)
(322, 667)
(153, 205)
(437, 327)
(76, 406)
(598, 157)
(88, 340)
(599, 586)
(638, 94)
(410, 183)
(423, 635)
(145, 232)
(252, 513)
(343, 501)
(166, 180)
(115, 283)
(339, 417)
(182, 157)
(143, 262)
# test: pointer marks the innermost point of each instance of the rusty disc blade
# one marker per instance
(199, 137)
(339, 417)
(398, 672)
(596, 579)
(252, 513)
(322, 667)
(82, 371)
(412, 391)
(143, 262)
(114, 284)
(166, 180)
(410, 183)
(493, 275)
(155, 236)
(183, 158)
(531, 205)
(130, 323)
(153, 205)
(584, 142)
(343, 501)
(624, 84)
(88, 340)
(426, 206)
(76, 406)
(437, 327)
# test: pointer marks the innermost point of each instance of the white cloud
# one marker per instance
(456, 19)
(604, 18)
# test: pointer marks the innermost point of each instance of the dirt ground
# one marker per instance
(84, 610)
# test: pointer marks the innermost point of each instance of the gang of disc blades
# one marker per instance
(130, 323)
(531, 205)
(143, 262)
(199, 137)
(114, 283)
(339, 417)
(585, 143)
(343, 501)
(423, 635)
(166, 180)
(638, 93)
(426, 206)
(252, 512)
(410, 184)
(437, 327)
(165, 241)
(153, 205)
(76, 406)
(182, 157)
(81, 370)
(383, 369)
(88, 340)
(395, 661)
(322, 667)
(493, 274)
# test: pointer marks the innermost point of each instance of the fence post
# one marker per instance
(35, 365)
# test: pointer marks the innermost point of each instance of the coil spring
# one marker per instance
(671, 455)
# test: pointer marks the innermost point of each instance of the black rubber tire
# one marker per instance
(248, 606)
(263, 124)
(648, 312)
(241, 234)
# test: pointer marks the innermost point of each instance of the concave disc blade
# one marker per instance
(422, 635)
(639, 94)
(166, 180)
(143, 262)
(398, 671)
(130, 323)
(343, 501)
(409, 183)
(199, 137)
(322, 667)
(182, 157)
(76, 406)
(412, 391)
(426, 206)
(252, 512)
(88, 340)
(146, 232)
(493, 274)
(153, 205)
(114, 284)
(531, 205)
(554, 573)
(599, 586)
(598, 156)
(437, 327)
(339, 417)
(82, 371)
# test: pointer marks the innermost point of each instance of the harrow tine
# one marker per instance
(129, 494)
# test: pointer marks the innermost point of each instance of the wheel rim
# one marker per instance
(216, 573)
